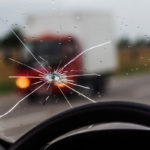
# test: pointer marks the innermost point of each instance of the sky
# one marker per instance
(131, 17)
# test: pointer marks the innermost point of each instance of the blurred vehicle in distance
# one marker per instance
(52, 54)
(56, 48)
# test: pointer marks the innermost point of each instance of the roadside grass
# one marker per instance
(6, 87)
(132, 70)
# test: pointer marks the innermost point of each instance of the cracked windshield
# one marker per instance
(57, 55)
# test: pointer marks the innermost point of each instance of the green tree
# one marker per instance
(10, 43)
(10, 40)
(123, 43)
(140, 42)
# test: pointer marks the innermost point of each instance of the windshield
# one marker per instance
(50, 51)
(57, 55)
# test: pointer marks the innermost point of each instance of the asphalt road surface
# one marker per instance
(27, 115)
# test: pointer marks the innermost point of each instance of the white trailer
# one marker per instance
(89, 28)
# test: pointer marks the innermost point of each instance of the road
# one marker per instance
(27, 115)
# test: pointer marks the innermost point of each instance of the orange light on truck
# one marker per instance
(23, 82)
(60, 85)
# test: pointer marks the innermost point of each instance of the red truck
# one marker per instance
(53, 52)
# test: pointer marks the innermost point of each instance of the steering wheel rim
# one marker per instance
(75, 118)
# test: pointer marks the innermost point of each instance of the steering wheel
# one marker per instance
(103, 112)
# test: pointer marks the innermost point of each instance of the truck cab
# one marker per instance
(53, 52)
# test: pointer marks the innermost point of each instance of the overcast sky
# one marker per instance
(131, 17)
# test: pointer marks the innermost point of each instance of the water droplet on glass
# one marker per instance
(145, 65)
(141, 57)
(98, 94)
(136, 69)
(77, 17)
(75, 27)
(69, 37)
(132, 70)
